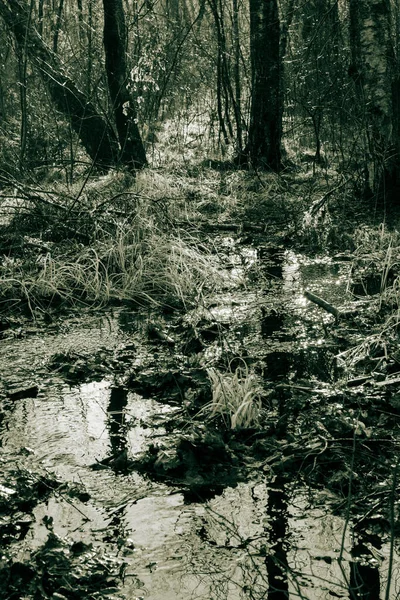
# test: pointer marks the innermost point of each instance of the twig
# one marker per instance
(59, 494)
(301, 388)
(236, 227)
(348, 509)
(318, 204)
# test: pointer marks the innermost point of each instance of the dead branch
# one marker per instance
(322, 303)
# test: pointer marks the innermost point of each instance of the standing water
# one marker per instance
(269, 534)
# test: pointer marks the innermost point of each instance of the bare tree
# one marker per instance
(132, 149)
(93, 129)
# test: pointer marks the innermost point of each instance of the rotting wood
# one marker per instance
(30, 390)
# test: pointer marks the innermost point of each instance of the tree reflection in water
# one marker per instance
(116, 420)
(276, 560)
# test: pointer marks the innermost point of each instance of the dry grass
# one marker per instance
(118, 239)
(130, 258)
(236, 397)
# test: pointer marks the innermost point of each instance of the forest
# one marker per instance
(199, 299)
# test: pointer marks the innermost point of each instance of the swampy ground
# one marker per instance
(181, 417)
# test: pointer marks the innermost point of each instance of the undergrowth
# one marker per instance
(375, 282)
(102, 250)
(119, 239)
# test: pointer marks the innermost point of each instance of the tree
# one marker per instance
(93, 129)
(316, 74)
(265, 129)
(132, 149)
(375, 71)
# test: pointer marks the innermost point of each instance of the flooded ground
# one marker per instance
(110, 429)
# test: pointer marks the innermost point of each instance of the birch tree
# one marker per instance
(375, 70)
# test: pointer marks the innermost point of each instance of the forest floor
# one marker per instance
(199, 394)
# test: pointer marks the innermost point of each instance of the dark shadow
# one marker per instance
(128, 321)
(276, 561)
(364, 582)
(278, 364)
(364, 577)
(271, 322)
(116, 420)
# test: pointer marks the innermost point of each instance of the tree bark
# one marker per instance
(23, 80)
(265, 130)
(93, 130)
(40, 17)
(132, 150)
(375, 70)
(57, 26)
(81, 29)
(236, 74)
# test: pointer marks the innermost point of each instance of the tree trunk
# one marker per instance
(93, 129)
(236, 74)
(132, 150)
(225, 125)
(81, 29)
(57, 26)
(375, 71)
(22, 72)
(265, 130)
(89, 33)
(40, 17)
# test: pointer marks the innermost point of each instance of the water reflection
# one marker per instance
(276, 560)
(116, 419)
(271, 260)
(239, 551)
(364, 581)
(364, 575)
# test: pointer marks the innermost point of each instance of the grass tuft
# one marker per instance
(236, 397)
(129, 259)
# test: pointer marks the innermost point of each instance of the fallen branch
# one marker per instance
(322, 303)
(25, 192)
(236, 227)
(390, 381)
(318, 204)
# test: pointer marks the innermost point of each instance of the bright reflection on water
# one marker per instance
(218, 550)
(321, 276)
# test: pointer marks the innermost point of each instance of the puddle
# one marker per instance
(267, 537)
